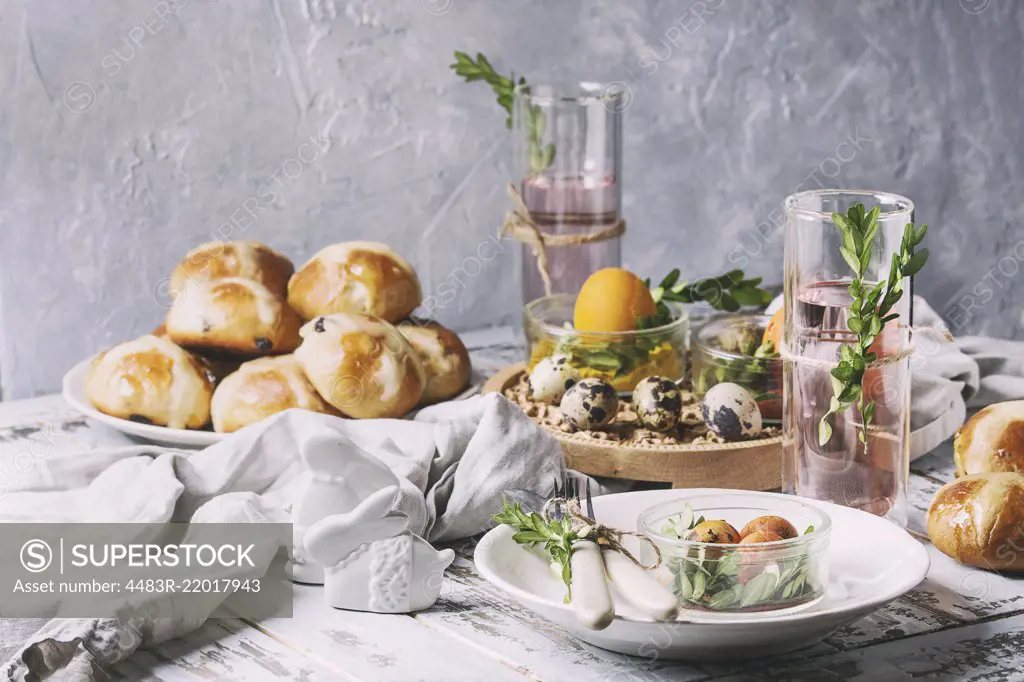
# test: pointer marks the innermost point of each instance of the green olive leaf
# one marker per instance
(670, 279)
(685, 518)
(699, 583)
(723, 599)
(729, 565)
(698, 566)
(684, 588)
(759, 588)
(824, 430)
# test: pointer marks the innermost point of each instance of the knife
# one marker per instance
(591, 599)
(638, 587)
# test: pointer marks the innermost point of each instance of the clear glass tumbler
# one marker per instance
(869, 474)
(569, 154)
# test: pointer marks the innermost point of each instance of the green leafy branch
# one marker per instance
(532, 529)
(728, 292)
(870, 309)
(538, 156)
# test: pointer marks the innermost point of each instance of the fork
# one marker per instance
(634, 583)
(591, 598)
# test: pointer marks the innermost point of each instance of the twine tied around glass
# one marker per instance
(938, 332)
(520, 226)
(606, 537)
(892, 359)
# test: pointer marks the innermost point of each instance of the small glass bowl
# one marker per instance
(714, 365)
(621, 358)
(736, 578)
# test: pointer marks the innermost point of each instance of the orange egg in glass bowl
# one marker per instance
(621, 357)
(612, 300)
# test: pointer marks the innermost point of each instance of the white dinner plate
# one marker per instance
(872, 561)
(73, 390)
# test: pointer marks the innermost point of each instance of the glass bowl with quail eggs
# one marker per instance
(744, 350)
(741, 552)
(611, 362)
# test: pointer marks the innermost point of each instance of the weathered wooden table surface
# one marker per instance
(959, 624)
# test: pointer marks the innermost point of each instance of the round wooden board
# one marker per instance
(750, 465)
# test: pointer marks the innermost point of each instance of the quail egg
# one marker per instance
(590, 404)
(657, 403)
(731, 412)
(770, 525)
(759, 536)
(717, 532)
(551, 378)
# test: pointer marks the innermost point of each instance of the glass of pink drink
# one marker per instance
(569, 155)
(871, 474)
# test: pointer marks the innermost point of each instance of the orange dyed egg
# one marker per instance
(611, 300)
(772, 525)
(773, 332)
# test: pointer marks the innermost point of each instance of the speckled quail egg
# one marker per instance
(551, 378)
(657, 402)
(590, 404)
(716, 531)
(731, 412)
(770, 525)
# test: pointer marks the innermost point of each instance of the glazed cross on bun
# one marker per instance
(249, 260)
(444, 357)
(261, 388)
(153, 381)
(361, 365)
(356, 277)
(979, 520)
(991, 440)
(232, 317)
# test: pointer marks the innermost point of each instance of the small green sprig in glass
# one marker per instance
(532, 529)
(538, 156)
(870, 309)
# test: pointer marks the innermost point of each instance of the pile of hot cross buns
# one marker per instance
(247, 336)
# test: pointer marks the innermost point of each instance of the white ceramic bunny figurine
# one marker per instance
(373, 563)
(336, 481)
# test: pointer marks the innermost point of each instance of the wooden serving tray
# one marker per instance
(747, 465)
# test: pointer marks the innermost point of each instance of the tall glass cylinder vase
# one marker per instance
(569, 157)
(859, 467)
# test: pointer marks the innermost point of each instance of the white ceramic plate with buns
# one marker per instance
(871, 562)
(247, 336)
(75, 396)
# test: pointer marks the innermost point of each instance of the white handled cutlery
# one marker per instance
(591, 599)
(638, 587)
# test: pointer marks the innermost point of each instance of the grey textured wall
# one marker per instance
(132, 130)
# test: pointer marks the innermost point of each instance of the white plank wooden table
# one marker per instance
(960, 624)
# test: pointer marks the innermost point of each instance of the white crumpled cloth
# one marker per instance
(454, 460)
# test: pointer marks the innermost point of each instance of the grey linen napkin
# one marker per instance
(951, 378)
(454, 460)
